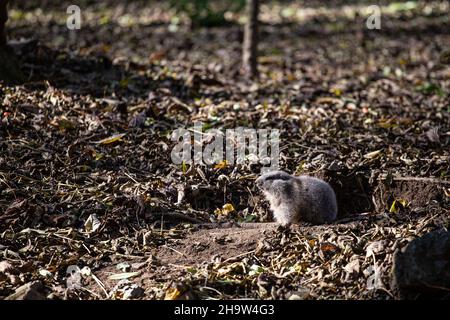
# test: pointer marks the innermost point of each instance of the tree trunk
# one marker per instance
(250, 46)
(3, 18)
(9, 66)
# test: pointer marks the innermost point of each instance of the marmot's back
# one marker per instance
(316, 200)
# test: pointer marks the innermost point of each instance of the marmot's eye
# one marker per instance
(278, 177)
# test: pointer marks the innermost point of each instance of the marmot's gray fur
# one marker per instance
(298, 198)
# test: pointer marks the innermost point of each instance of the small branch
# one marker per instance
(418, 179)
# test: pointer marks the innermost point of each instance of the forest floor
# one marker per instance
(90, 201)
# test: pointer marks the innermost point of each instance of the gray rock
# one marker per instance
(29, 291)
(422, 268)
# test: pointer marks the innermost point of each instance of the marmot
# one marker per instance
(298, 198)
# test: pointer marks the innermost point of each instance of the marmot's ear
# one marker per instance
(259, 182)
(276, 175)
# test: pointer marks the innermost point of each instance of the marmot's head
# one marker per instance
(269, 181)
(279, 189)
